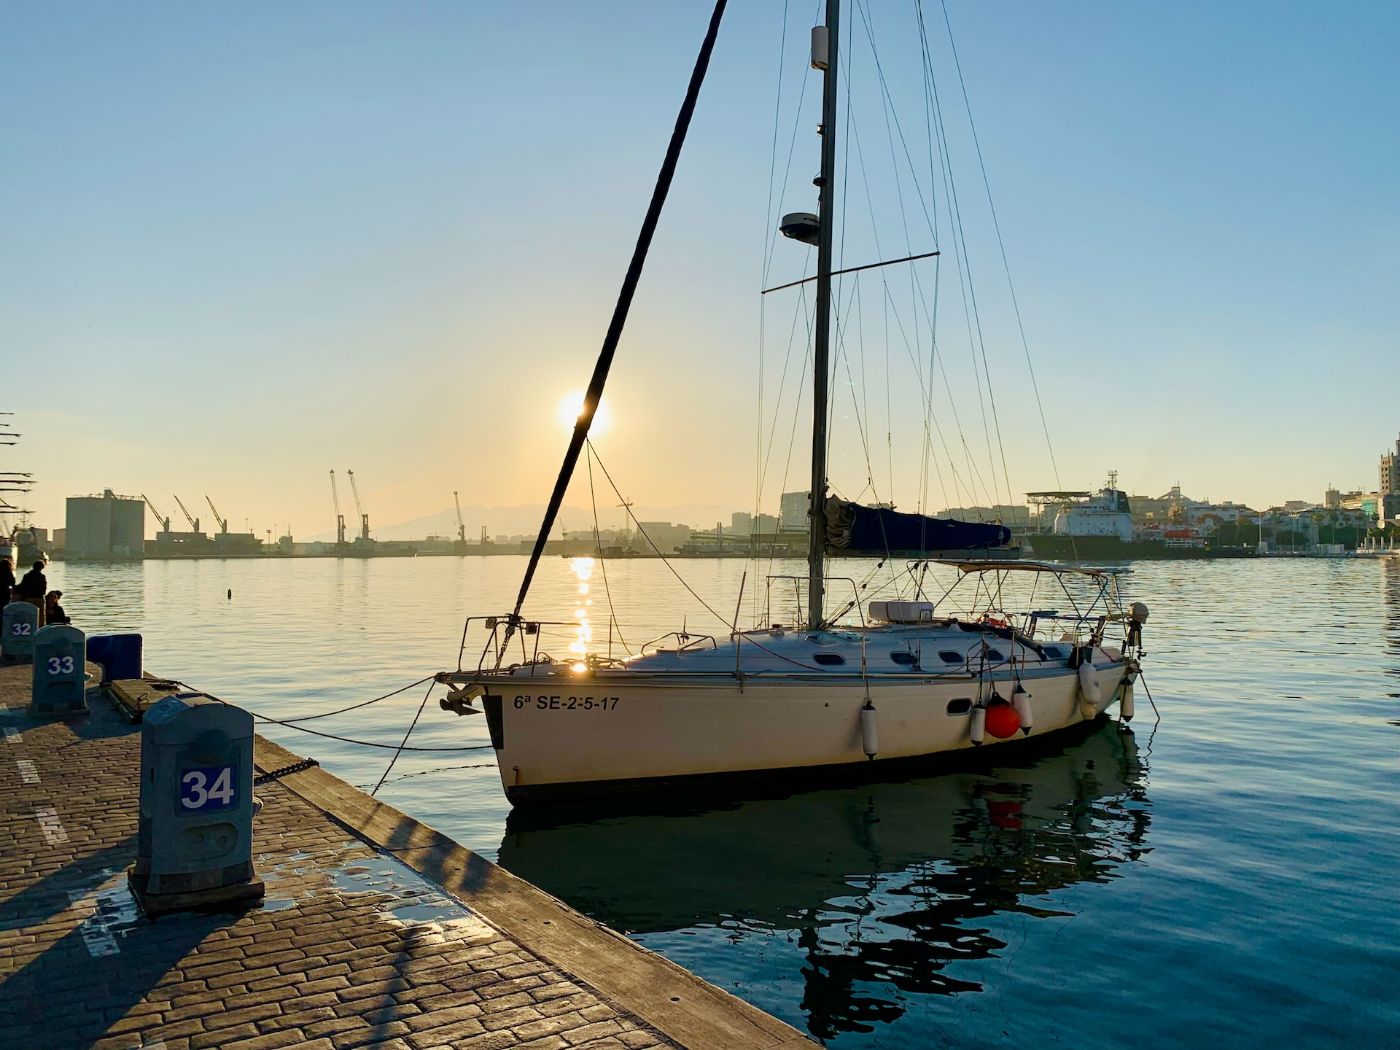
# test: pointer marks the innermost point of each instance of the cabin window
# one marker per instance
(904, 659)
(950, 656)
(1052, 653)
(961, 706)
(995, 655)
(829, 659)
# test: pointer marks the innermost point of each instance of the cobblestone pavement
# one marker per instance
(351, 948)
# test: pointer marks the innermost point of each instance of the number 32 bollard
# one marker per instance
(19, 624)
(60, 681)
(194, 845)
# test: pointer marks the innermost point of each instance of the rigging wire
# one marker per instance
(969, 290)
(895, 129)
(1001, 244)
(936, 135)
(665, 560)
(799, 314)
(681, 579)
(623, 305)
(930, 421)
(769, 240)
(603, 564)
(772, 236)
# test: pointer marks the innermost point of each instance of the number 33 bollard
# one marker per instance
(60, 682)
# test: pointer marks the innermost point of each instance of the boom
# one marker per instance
(339, 517)
(194, 522)
(364, 518)
(164, 521)
(223, 522)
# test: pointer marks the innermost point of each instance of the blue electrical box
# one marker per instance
(194, 843)
(19, 624)
(60, 681)
(119, 655)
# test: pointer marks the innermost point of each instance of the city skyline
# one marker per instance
(251, 249)
(519, 521)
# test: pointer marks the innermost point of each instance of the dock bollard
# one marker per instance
(19, 624)
(60, 682)
(194, 843)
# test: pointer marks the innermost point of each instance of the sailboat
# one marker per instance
(905, 681)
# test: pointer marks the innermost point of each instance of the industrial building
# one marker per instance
(105, 528)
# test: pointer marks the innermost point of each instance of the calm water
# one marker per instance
(1229, 879)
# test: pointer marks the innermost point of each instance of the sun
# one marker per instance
(571, 404)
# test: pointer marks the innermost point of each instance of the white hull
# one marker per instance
(560, 733)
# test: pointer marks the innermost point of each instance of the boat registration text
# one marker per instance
(567, 703)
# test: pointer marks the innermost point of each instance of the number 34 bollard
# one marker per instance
(60, 682)
(194, 843)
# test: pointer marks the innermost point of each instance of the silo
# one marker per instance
(105, 528)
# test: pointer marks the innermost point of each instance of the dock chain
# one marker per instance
(278, 774)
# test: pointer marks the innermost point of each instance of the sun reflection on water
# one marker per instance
(582, 568)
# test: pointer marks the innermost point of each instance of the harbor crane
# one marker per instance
(461, 526)
(627, 506)
(194, 522)
(164, 521)
(339, 517)
(364, 518)
(223, 522)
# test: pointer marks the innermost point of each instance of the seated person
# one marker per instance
(53, 612)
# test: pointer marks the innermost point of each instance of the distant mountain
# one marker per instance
(525, 520)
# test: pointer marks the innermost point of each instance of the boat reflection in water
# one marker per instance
(880, 887)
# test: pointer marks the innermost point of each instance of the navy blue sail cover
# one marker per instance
(853, 529)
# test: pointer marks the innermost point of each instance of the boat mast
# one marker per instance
(826, 188)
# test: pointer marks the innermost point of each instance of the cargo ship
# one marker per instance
(1098, 526)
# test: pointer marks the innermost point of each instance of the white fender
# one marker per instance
(979, 725)
(869, 732)
(1021, 700)
(1089, 691)
(1125, 697)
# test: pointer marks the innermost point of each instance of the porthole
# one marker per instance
(903, 658)
(995, 656)
(961, 706)
(829, 659)
(950, 656)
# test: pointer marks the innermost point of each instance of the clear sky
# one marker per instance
(243, 244)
